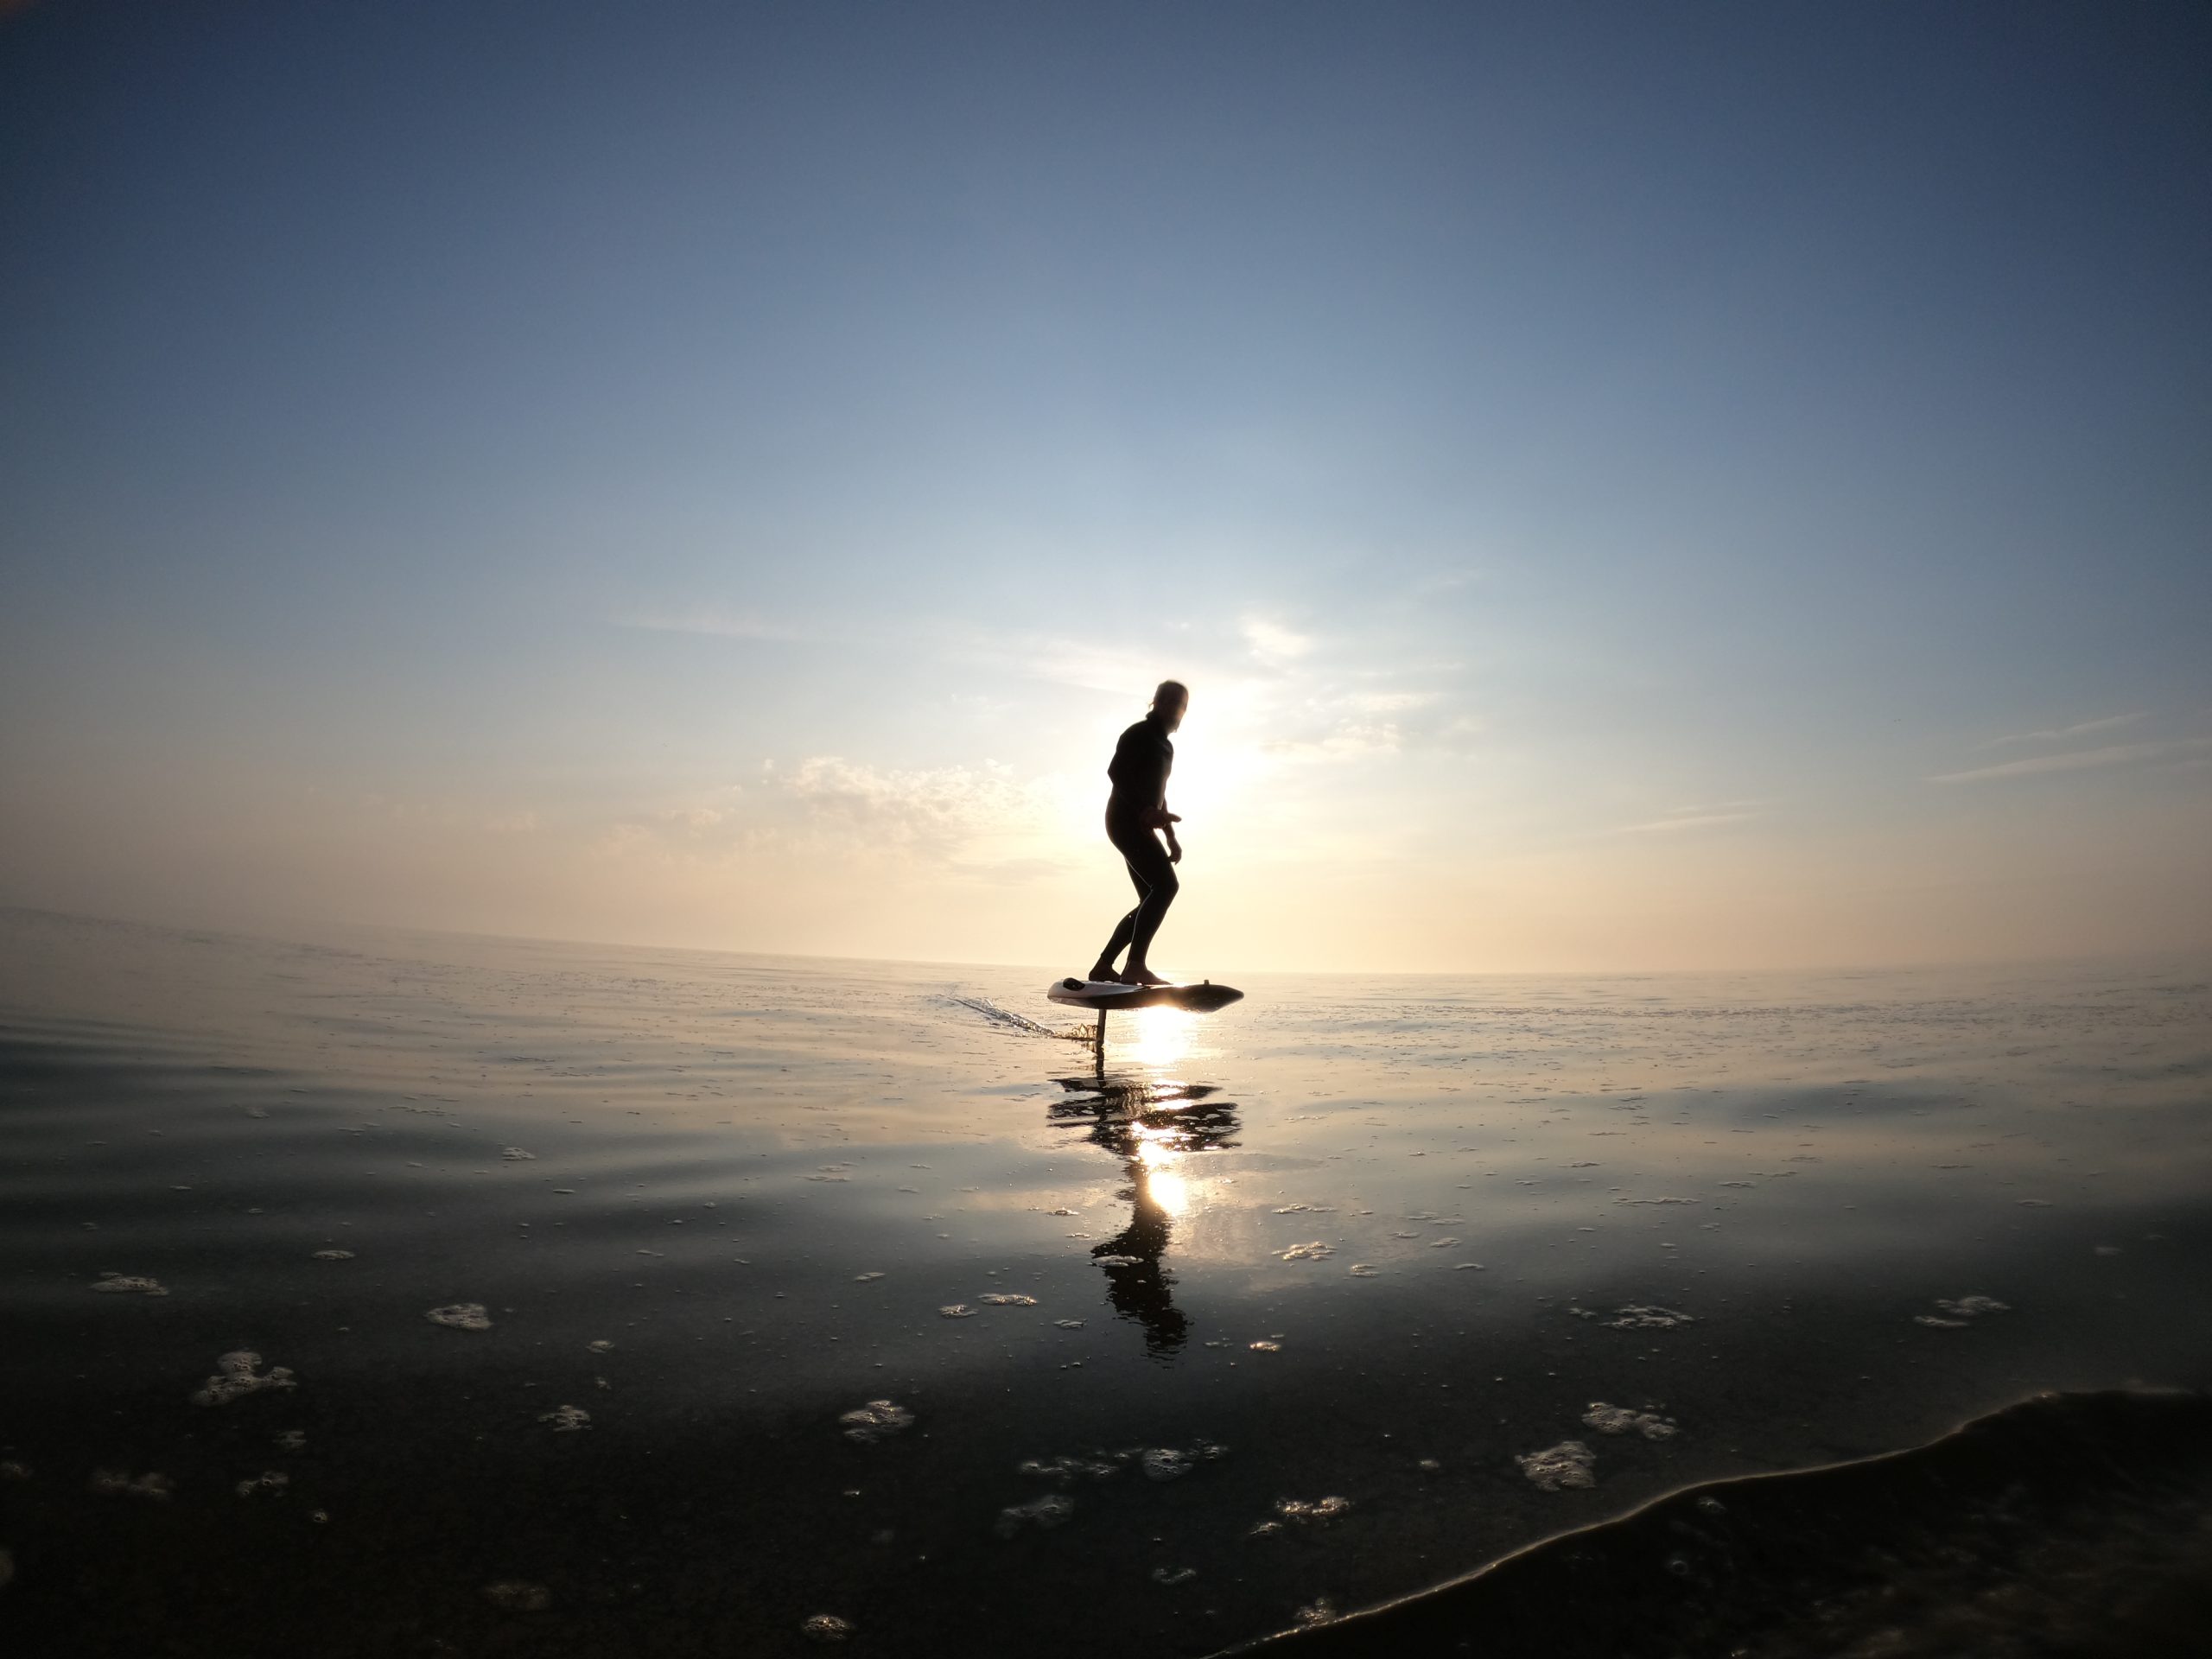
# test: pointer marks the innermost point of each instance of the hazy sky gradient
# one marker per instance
(1630, 487)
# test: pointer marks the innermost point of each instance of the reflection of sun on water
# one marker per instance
(1169, 1192)
(1158, 1153)
(1163, 1035)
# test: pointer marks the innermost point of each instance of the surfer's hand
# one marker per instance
(1162, 817)
(1174, 849)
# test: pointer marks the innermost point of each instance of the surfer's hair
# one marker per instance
(1171, 692)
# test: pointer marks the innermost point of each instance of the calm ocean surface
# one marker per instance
(774, 1290)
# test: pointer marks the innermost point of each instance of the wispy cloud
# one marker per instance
(2063, 734)
(2073, 760)
(720, 624)
(1354, 741)
(1087, 664)
(1390, 702)
(933, 812)
(1273, 643)
(982, 820)
(1693, 819)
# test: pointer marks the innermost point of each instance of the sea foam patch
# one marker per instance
(239, 1374)
(1569, 1463)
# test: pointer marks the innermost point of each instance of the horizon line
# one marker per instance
(231, 930)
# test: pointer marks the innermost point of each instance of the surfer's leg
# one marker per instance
(1131, 842)
(1149, 869)
(1122, 929)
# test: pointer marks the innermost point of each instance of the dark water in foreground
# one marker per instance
(1285, 1296)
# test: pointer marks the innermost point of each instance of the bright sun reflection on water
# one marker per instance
(1169, 1191)
(1159, 1152)
(1163, 1035)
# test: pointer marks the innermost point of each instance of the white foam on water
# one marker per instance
(1621, 1419)
(111, 1483)
(292, 1440)
(1069, 1325)
(877, 1420)
(1364, 1271)
(956, 1311)
(565, 1420)
(866, 1278)
(1008, 1298)
(1264, 1347)
(1637, 1316)
(333, 1255)
(1053, 1510)
(461, 1316)
(1466, 1267)
(1969, 1307)
(271, 1481)
(518, 1596)
(1957, 1315)
(599, 1345)
(239, 1374)
(827, 1627)
(1173, 1575)
(516, 1155)
(1115, 1261)
(1319, 1611)
(1063, 1470)
(1311, 1251)
(1305, 1513)
(121, 1281)
(1557, 1467)
(1165, 1463)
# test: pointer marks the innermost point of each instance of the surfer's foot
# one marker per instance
(1103, 974)
(1143, 977)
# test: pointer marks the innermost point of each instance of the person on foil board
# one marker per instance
(1136, 818)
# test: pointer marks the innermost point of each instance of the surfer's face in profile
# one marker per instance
(1169, 702)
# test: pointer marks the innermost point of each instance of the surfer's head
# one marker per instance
(1170, 700)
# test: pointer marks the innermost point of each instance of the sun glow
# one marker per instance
(1163, 1036)
(1169, 1191)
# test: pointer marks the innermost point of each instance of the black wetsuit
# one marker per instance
(1142, 761)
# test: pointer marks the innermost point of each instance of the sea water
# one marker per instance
(396, 1292)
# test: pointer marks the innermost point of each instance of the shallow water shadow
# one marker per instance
(1150, 1124)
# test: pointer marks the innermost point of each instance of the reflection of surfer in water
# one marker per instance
(1141, 1121)
(1134, 811)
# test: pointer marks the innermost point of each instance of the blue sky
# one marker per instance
(1630, 486)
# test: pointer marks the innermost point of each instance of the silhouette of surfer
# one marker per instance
(1136, 816)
